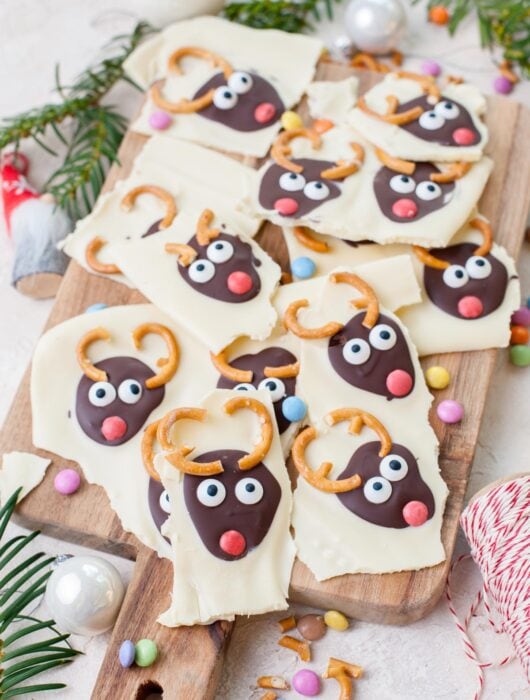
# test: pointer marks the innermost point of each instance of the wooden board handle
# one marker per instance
(189, 658)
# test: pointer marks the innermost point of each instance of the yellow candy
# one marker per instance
(437, 377)
(336, 620)
(291, 120)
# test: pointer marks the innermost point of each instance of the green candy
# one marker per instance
(520, 355)
(145, 653)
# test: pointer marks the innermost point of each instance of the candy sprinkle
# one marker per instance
(450, 411)
(127, 653)
(336, 620)
(145, 652)
(306, 682)
(67, 482)
(437, 377)
(520, 355)
(291, 120)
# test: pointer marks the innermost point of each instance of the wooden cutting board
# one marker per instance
(191, 658)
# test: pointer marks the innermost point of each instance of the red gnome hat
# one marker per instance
(15, 187)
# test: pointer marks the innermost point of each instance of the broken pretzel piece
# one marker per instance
(287, 623)
(301, 648)
(276, 682)
(343, 672)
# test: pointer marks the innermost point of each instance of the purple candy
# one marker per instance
(502, 85)
(450, 411)
(521, 317)
(159, 120)
(67, 481)
(126, 653)
(306, 683)
(430, 67)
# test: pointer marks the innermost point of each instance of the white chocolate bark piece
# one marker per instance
(282, 63)
(198, 295)
(21, 469)
(334, 100)
(210, 583)
(433, 135)
(341, 540)
(61, 394)
(186, 171)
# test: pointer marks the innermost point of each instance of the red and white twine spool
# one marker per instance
(497, 527)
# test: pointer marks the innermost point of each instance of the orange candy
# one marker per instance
(322, 125)
(519, 336)
(439, 14)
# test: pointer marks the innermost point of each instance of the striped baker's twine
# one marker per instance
(497, 527)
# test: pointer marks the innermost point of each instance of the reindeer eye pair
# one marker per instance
(378, 489)
(104, 393)
(212, 492)
(403, 184)
(275, 387)
(226, 96)
(357, 351)
(294, 182)
(477, 268)
(202, 270)
(436, 118)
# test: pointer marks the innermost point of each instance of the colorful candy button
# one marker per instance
(291, 120)
(95, 307)
(437, 377)
(336, 620)
(502, 85)
(127, 653)
(521, 317)
(306, 682)
(399, 382)
(439, 14)
(312, 627)
(520, 355)
(146, 652)
(294, 409)
(159, 120)
(519, 335)
(67, 481)
(430, 67)
(303, 267)
(450, 411)
(415, 513)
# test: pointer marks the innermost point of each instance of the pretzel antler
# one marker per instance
(186, 254)
(485, 229)
(306, 238)
(168, 364)
(368, 301)
(258, 454)
(405, 167)
(359, 418)
(177, 458)
(171, 210)
(454, 172)
(91, 251)
(428, 259)
(391, 116)
(97, 375)
(282, 371)
(291, 322)
(222, 365)
(427, 83)
(344, 167)
(147, 449)
(281, 149)
(343, 672)
(205, 234)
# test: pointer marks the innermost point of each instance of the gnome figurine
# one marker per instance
(36, 225)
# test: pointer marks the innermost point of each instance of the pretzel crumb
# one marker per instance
(276, 682)
(301, 648)
(287, 623)
(269, 695)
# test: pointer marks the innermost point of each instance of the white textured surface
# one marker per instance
(423, 660)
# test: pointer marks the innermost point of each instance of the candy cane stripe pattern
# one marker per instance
(497, 527)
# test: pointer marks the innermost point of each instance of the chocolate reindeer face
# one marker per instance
(232, 511)
(402, 198)
(111, 412)
(159, 503)
(280, 389)
(224, 269)
(375, 360)
(244, 102)
(472, 287)
(389, 485)
(447, 122)
(297, 194)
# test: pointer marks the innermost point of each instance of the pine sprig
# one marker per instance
(20, 585)
(289, 16)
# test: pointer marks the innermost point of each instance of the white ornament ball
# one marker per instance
(84, 595)
(375, 26)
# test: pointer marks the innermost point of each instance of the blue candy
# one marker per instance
(95, 307)
(294, 409)
(126, 653)
(303, 268)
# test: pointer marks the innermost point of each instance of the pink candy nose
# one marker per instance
(232, 542)
(463, 137)
(286, 206)
(264, 112)
(405, 208)
(239, 282)
(113, 428)
(470, 307)
(399, 383)
(415, 513)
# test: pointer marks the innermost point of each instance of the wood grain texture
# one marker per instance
(191, 657)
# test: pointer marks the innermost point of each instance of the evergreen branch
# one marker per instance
(286, 15)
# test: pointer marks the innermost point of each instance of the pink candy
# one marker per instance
(306, 683)
(405, 208)
(521, 317)
(463, 136)
(159, 120)
(450, 411)
(67, 481)
(399, 382)
(430, 67)
(415, 513)
(502, 85)
(470, 307)
(239, 282)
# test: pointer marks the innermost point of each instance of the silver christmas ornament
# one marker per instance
(375, 26)
(84, 595)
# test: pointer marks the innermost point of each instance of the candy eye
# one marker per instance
(431, 121)
(455, 276)
(478, 268)
(356, 351)
(393, 468)
(377, 490)
(382, 337)
(244, 387)
(447, 110)
(130, 391)
(402, 184)
(249, 491)
(101, 394)
(201, 271)
(164, 502)
(240, 82)
(316, 190)
(428, 190)
(275, 386)
(211, 493)
(220, 251)
(292, 182)
(224, 98)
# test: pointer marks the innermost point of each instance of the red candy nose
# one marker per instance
(470, 307)
(113, 428)
(264, 112)
(463, 137)
(415, 513)
(232, 542)
(405, 208)
(239, 282)
(399, 382)
(286, 206)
